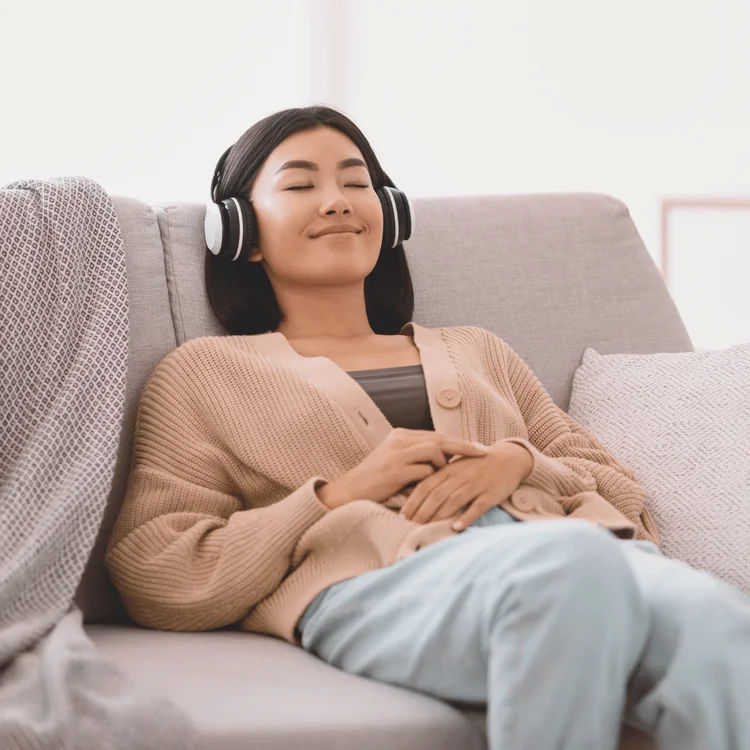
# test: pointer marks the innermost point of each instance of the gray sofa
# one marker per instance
(551, 274)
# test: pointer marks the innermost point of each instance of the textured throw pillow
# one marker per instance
(681, 424)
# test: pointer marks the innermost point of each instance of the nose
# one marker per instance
(335, 204)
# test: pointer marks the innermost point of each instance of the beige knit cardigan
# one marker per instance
(221, 523)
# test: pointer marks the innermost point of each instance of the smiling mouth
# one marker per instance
(331, 234)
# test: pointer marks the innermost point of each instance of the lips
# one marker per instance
(344, 228)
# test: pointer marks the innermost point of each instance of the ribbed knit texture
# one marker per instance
(221, 523)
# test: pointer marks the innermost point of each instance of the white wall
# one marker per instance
(641, 100)
(143, 96)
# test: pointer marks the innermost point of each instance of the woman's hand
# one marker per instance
(484, 483)
(404, 456)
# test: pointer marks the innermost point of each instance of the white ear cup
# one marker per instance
(213, 228)
(392, 241)
(241, 223)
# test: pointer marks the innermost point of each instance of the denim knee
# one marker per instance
(581, 563)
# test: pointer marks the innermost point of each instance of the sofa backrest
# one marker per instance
(549, 273)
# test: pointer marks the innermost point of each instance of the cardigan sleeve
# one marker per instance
(187, 553)
(567, 458)
(186, 557)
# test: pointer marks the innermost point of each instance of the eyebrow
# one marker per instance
(299, 164)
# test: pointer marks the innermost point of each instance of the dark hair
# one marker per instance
(240, 293)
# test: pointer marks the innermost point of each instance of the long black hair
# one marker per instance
(240, 293)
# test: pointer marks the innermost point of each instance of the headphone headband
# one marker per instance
(217, 173)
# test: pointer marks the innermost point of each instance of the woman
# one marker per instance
(406, 503)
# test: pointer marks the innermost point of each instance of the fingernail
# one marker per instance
(457, 526)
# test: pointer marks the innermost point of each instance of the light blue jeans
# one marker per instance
(559, 628)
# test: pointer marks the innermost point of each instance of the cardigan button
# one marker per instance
(523, 500)
(449, 398)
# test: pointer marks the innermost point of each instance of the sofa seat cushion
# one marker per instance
(247, 691)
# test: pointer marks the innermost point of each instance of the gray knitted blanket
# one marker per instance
(63, 362)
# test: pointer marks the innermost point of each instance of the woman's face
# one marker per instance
(294, 203)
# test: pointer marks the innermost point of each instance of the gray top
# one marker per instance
(400, 393)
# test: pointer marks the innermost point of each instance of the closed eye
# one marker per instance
(309, 187)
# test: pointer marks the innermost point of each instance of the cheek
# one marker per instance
(284, 215)
(374, 216)
(281, 224)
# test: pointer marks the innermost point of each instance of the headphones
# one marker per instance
(230, 225)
